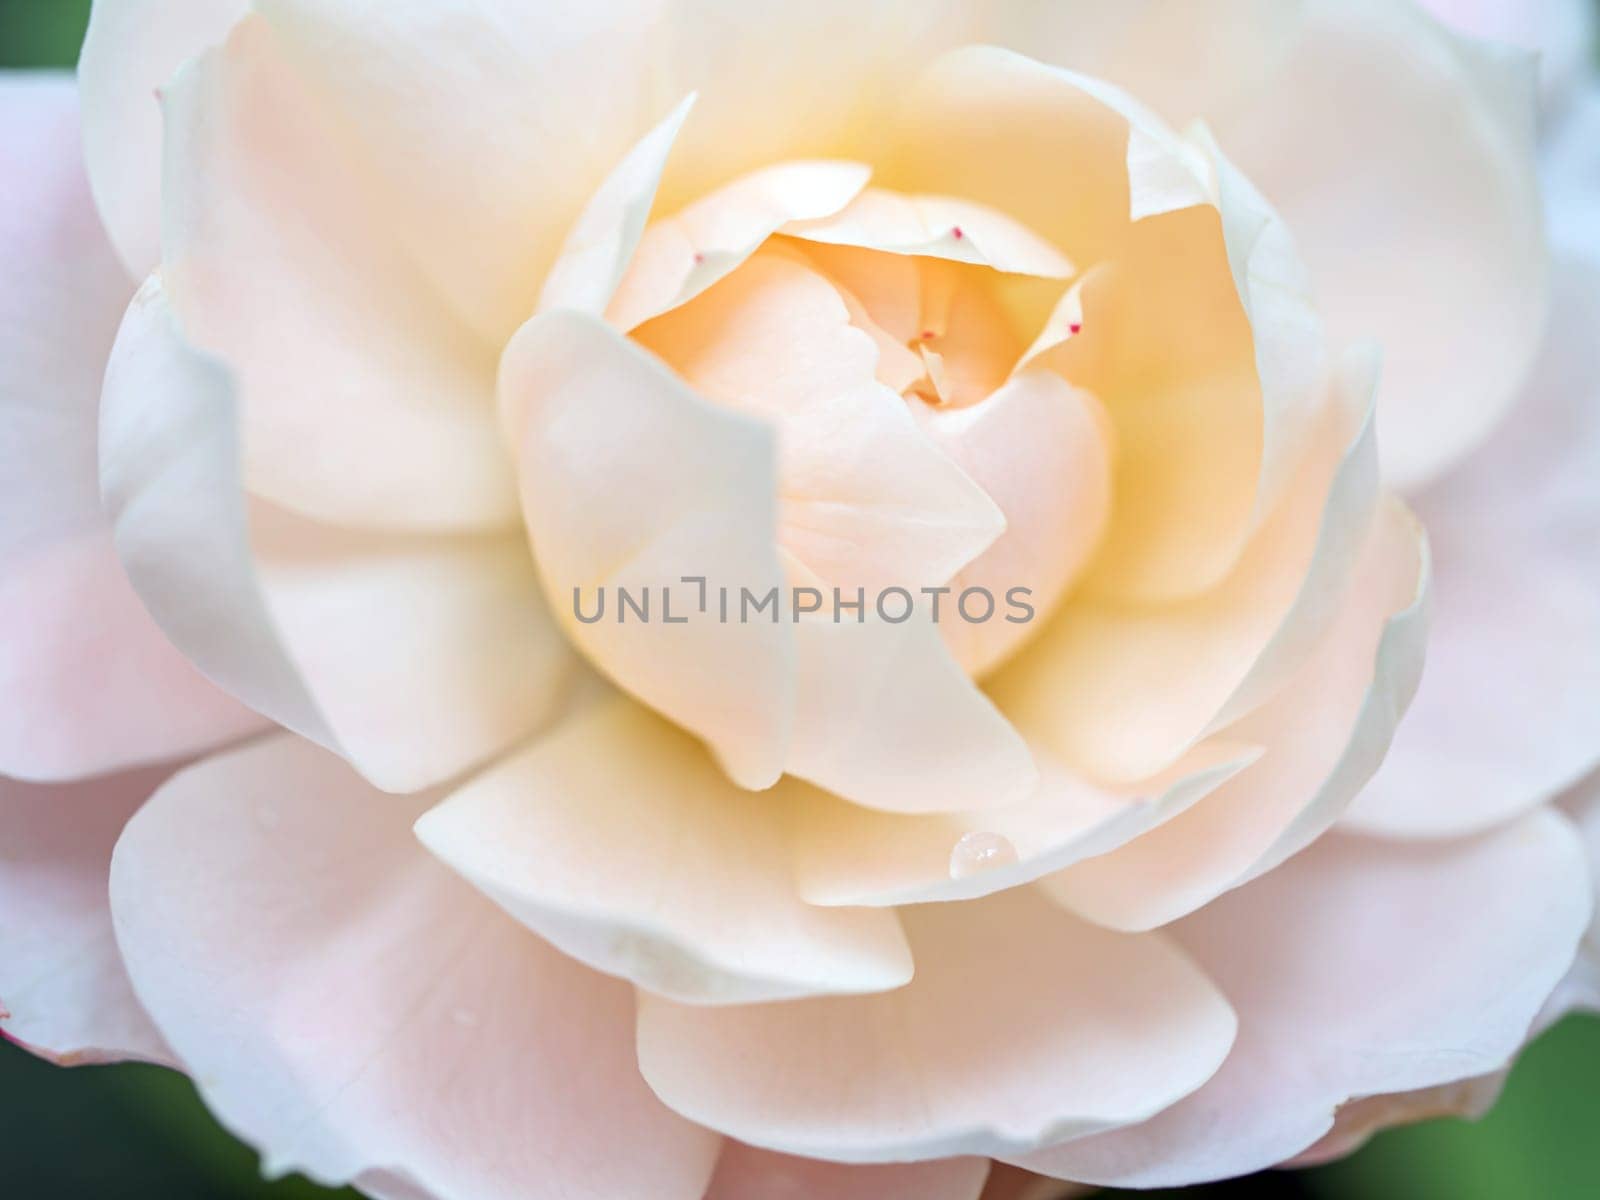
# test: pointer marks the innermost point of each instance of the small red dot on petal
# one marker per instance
(928, 335)
(699, 258)
(956, 233)
(1076, 328)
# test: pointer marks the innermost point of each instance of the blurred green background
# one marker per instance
(121, 1133)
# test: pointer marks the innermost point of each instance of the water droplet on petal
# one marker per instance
(979, 852)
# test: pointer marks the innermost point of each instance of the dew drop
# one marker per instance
(979, 852)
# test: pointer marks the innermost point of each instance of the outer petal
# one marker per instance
(364, 401)
(64, 993)
(130, 52)
(1561, 32)
(620, 840)
(414, 656)
(87, 680)
(1332, 1004)
(999, 1044)
(1324, 736)
(1509, 710)
(745, 1173)
(352, 1008)
(632, 482)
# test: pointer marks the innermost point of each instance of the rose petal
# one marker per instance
(631, 482)
(414, 656)
(682, 255)
(999, 1044)
(745, 1173)
(1121, 691)
(846, 854)
(1562, 32)
(1332, 1004)
(621, 841)
(936, 227)
(596, 255)
(130, 51)
(314, 968)
(89, 682)
(1324, 735)
(1508, 714)
(280, 257)
(868, 499)
(64, 993)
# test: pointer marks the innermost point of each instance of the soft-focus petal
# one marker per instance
(130, 52)
(1508, 714)
(620, 840)
(1353, 974)
(682, 255)
(1324, 734)
(1121, 691)
(1561, 32)
(363, 398)
(745, 1173)
(64, 993)
(87, 680)
(632, 482)
(348, 1005)
(415, 656)
(1000, 1044)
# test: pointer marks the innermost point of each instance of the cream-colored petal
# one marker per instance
(1121, 691)
(846, 854)
(682, 255)
(866, 497)
(1043, 451)
(886, 717)
(598, 251)
(1324, 735)
(999, 1045)
(130, 51)
(745, 1173)
(632, 482)
(936, 227)
(620, 840)
(364, 400)
(414, 656)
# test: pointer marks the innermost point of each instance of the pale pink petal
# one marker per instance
(867, 498)
(632, 482)
(1561, 32)
(64, 993)
(620, 840)
(364, 399)
(1324, 735)
(847, 854)
(682, 255)
(130, 52)
(598, 251)
(1357, 1121)
(89, 682)
(936, 227)
(416, 656)
(1000, 1044)
(745, 1173)
(1508, 714)
(1358, 967)
(349, 1006)
(1121, 691)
